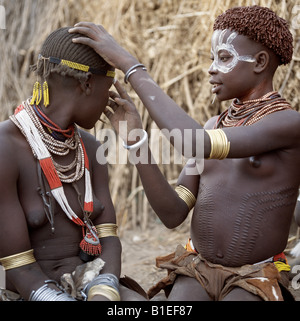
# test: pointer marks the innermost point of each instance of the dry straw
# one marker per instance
(171, 37)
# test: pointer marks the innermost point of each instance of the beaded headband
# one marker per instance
(81, 67)
(37, 89)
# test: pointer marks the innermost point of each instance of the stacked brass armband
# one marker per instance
(220, 145)
(107, 229)
(17, 260)
(186, 195)
(106, 284)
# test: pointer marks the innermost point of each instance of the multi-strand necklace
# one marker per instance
(54, 130)
(43, 145)
(58, 147)
(249, 112)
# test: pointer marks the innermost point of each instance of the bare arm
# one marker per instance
(14, 237)
(165, 112)
(297, 211)
(111, 245)
(246, 141)
(164, 200)
(166, 203)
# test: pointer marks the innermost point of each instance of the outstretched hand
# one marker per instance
(96, 37)
(122, 109)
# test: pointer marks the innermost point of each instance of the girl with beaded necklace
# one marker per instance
(56, 211)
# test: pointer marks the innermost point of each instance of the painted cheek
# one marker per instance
(225, 68)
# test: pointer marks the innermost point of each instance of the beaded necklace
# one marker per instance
(249, 112)
(54, 130)
(59, 148)
(42, 144)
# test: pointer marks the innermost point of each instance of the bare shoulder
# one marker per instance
(211, 123)
(284, 125)
(295, 119)
(87, 137)
(90, 143)
(7, 127)
(9, 137)
(286, 118)
(11, 142)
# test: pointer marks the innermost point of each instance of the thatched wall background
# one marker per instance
(171, 37)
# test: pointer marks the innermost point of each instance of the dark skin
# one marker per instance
(244, 203)
(297, 212)
(23, 223)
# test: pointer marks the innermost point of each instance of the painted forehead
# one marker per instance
(222, 43)
(218, 38)
(223, 39)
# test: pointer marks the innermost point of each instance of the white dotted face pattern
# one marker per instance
(225, 56)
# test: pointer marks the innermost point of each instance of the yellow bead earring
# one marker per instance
(37, 88)
(46, 93)
(37, 94)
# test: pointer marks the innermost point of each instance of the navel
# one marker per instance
(219, 254)
(255, 161)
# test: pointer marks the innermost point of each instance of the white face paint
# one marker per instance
(224, 54)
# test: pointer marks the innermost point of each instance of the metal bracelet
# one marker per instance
(132, 70)
(45, 293)
(138, 144)
(105, 279)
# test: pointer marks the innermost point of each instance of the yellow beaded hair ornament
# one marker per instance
(46, 94)
(37, 93)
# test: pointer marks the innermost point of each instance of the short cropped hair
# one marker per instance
(261, 25)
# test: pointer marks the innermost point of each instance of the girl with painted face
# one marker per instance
(245, 196)
(224, 55)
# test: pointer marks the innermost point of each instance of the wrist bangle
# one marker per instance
(138, 144)
(105, 290)
(45, 293)
(102, 279)
(132, 70)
